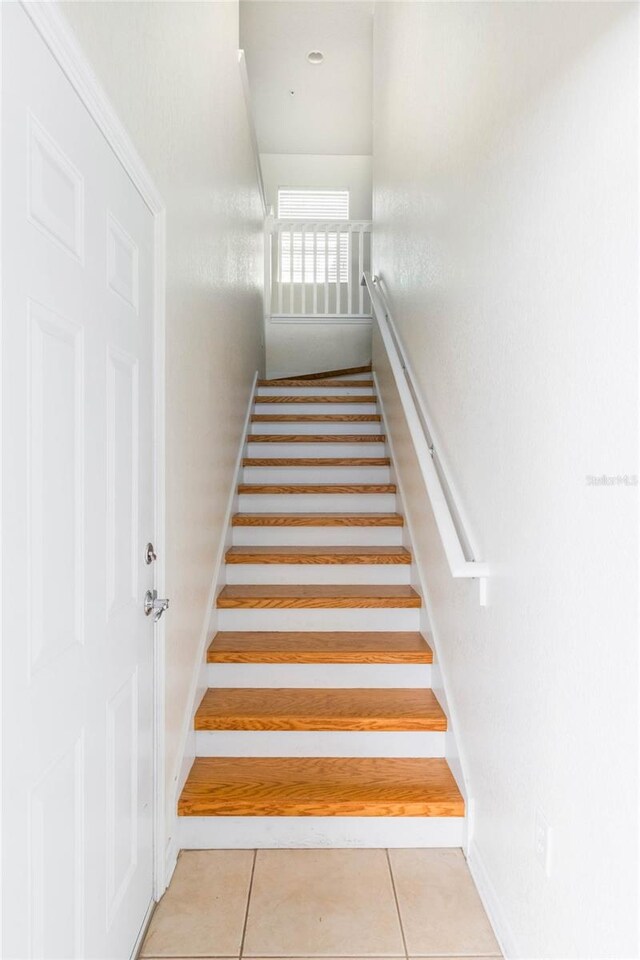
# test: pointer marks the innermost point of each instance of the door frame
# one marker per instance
(60, 39)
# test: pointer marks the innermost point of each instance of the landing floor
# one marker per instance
(321, 903)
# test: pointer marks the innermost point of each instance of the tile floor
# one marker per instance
(303, 904)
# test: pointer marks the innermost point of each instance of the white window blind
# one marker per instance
(313, 204)
(326, 252)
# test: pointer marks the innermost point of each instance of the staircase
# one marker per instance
(319, 726)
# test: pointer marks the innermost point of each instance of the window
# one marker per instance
(324, 253)
(313, 204)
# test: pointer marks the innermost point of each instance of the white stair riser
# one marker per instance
(301, 409)
(329, 675)
(318, 573)
(360, 618)
(316, 475)
(273, 391)
(314, 743)
(248, 833)
(317, 536)
(311, 427)
(317, 503)
(305, 450)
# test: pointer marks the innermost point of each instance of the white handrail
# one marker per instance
(461, 558)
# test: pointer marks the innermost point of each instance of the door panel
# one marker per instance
(77, 510)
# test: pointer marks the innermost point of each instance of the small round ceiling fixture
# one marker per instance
(315, 56)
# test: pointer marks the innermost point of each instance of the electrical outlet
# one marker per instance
(542, 842)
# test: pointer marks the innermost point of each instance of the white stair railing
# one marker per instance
(461, 556)
(316, 268)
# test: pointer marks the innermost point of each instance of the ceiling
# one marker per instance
(330, 110)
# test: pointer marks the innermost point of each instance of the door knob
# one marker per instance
(153, 605)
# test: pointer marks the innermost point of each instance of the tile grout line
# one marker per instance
(246, 914)
(395, 897)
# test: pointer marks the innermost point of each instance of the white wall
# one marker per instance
(506, 230)
(338, 172)
(171, 70)
(331, 345)
(312, 346)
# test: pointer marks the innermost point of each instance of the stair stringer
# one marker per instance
(453, 754)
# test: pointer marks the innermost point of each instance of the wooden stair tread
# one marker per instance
(316, 462)
(320, 786)
(314, 398)
(357, 384)
(316, 418)
(268, 488)
(318, 647)
(377, 555)
(320, 374)
(316, 438)
(314, 596)
(290, 708)
(317, 520)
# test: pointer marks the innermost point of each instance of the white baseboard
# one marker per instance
(248, 833)
(143, 931)
(171, 852)
(491, 903)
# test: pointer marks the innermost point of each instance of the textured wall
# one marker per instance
(311, 346)
(505, 211)
(171, 70)
(352, 173)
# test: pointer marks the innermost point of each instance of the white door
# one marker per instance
(77, 511)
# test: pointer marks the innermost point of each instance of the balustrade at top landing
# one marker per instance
(314, 268)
